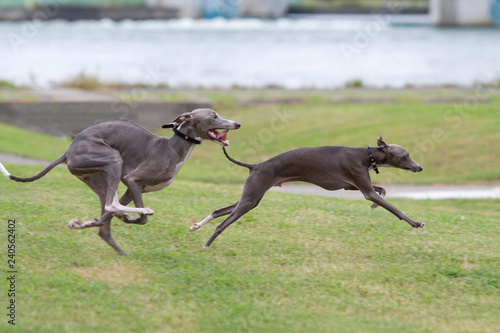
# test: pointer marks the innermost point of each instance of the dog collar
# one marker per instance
(372, 160)
(182, 135)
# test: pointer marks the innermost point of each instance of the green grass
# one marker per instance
(21, 142)
(294, 264)
(6, 85)
(443, 138)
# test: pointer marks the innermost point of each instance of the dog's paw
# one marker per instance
(195, 227)
(147, 211)
(374, 206)
(75, 224)
(419, 225)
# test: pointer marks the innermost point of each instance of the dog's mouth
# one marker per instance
(219, 137)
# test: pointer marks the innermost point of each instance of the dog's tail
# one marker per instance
(52, 165)
(249, 166)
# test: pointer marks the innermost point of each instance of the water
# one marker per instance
(293, 52)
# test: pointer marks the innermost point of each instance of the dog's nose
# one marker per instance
(420, 168)
(237, 125)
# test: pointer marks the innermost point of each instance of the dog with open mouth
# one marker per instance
(120, 150)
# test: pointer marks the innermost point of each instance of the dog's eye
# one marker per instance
(215, 116)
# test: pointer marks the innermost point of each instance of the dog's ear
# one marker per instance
(381, 143)
(183, 117)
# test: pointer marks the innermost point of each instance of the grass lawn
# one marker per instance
(294, 264)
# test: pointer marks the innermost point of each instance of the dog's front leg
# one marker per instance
(125, 200)
(368, 190)
(377, 199)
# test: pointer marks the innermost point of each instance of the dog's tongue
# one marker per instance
(222, 136)
(219, 136)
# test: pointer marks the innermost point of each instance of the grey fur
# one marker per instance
(120, 150)
(330, 167)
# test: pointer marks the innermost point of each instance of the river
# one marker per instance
(294, 52)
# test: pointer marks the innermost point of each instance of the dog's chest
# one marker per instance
(171, 175)
(157, 187)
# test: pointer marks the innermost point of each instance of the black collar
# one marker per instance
(182, 135)
(372, 160)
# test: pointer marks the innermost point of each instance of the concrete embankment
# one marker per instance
(70, 13)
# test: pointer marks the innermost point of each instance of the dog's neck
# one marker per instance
(378, 157)
(181, 145)
(187, 133)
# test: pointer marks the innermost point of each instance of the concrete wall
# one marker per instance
(461, 12)
(191, 8)
(87, 13)
(14, 14)
(154, 9)
(68, 119)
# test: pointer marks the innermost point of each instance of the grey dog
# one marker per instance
(120, 150)
(330, 167)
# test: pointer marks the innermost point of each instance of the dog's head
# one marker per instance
(397, 157)
(208, 125)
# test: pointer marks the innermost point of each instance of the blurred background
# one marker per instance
(292, 44)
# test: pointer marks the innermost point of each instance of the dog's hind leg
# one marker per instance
(105, 228)
(250, 199)
(104, 224)
(105, 233)
(97, 182)
(381, 191)
(238, 211)
(215, 214)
